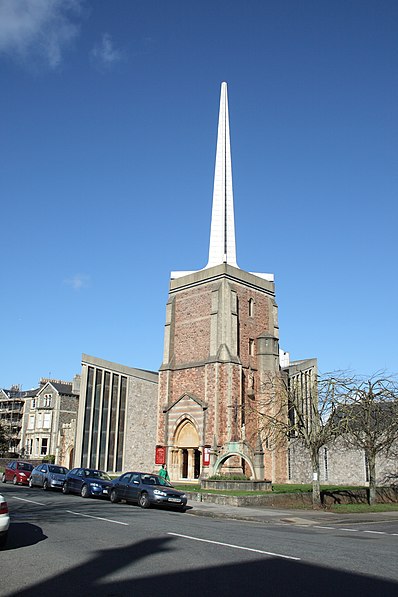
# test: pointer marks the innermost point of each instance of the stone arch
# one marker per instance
(70, 458)
(221, 460)
(185, 453)
(182, 422)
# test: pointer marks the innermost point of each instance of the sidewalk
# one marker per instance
(279, 516)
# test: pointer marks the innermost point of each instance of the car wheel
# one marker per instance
(45, 485)
(3, 478)
(30, 482)
(143, 500)
(14, 480)
(65, 488)
(85, 492)
(113, 497)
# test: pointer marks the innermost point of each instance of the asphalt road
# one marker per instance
(66, 545)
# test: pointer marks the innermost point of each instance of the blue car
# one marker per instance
(48, 476)
(87, 482)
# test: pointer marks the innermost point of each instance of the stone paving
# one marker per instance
(273, 515)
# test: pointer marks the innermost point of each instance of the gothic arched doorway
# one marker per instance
(186, 455)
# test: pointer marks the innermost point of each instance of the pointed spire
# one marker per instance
(222, 234)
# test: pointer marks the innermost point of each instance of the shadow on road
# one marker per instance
(267, 576)
(23, 534)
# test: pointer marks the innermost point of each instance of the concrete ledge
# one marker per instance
(384, 495)
(236, 485)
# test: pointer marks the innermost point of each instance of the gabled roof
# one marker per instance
(61, 388)
(198, 401)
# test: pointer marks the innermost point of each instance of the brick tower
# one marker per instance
(220, 347)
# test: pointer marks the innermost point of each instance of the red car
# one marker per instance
(17, 472)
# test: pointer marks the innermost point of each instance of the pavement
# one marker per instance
(288, 516)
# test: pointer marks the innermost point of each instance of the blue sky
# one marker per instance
(107, 145)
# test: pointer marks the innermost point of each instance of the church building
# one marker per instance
(203, 413)
(221, 346)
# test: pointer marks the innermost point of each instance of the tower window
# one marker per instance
(251, 347)
(251, 307)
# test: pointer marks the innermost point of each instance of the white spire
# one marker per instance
(222, 234)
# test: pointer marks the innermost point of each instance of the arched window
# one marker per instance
(251, 307)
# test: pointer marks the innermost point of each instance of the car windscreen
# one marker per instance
(99, 475)
(154, 480)
(60, 470)
(24, 466)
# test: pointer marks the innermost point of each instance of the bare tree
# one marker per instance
(369, 419)
(302, 407)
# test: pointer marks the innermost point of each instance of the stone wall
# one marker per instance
(340, 464)
(140, 434)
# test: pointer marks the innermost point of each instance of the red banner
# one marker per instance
(206, 456)
(160, 455)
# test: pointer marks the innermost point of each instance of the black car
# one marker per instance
(88, 482)
(146, 489)
(48, 476)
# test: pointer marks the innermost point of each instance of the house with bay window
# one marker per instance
(54, 404)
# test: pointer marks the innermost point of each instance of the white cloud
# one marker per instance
(38, 29)
(104, 54)
(78, 281)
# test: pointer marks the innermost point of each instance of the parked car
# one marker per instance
(4, 521)
(17, 472)
(88, 482)
(146, 489)
(48, 476)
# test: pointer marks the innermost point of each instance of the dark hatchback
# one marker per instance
(146, 489)
(87, 482)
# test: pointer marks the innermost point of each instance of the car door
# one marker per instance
(133, 488)
(73, 479)
(34, 476)
(41, 474)
(120, 486)
(10, 471)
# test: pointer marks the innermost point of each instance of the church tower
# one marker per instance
(220, 348)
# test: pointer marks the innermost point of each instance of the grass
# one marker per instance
(281, 488)
(362, 508)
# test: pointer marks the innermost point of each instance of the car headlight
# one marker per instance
(22, 474)
(158, 492)
(95, 485)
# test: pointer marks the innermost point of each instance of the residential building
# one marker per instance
(46, 411)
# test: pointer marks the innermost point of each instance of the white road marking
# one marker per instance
(350, 530)
(268, 553)
(329, 528)
(376, 532)
(25, 500)
(126, 524)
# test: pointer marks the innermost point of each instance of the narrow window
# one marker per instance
(366, 469)
(251, 307)
(251, 347)
(325, 460)
(44, 446)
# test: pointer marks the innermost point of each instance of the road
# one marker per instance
(65, 545)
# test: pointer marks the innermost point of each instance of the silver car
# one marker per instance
(4, 521)
(48, 476)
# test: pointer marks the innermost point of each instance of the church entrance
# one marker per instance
(186, 455)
